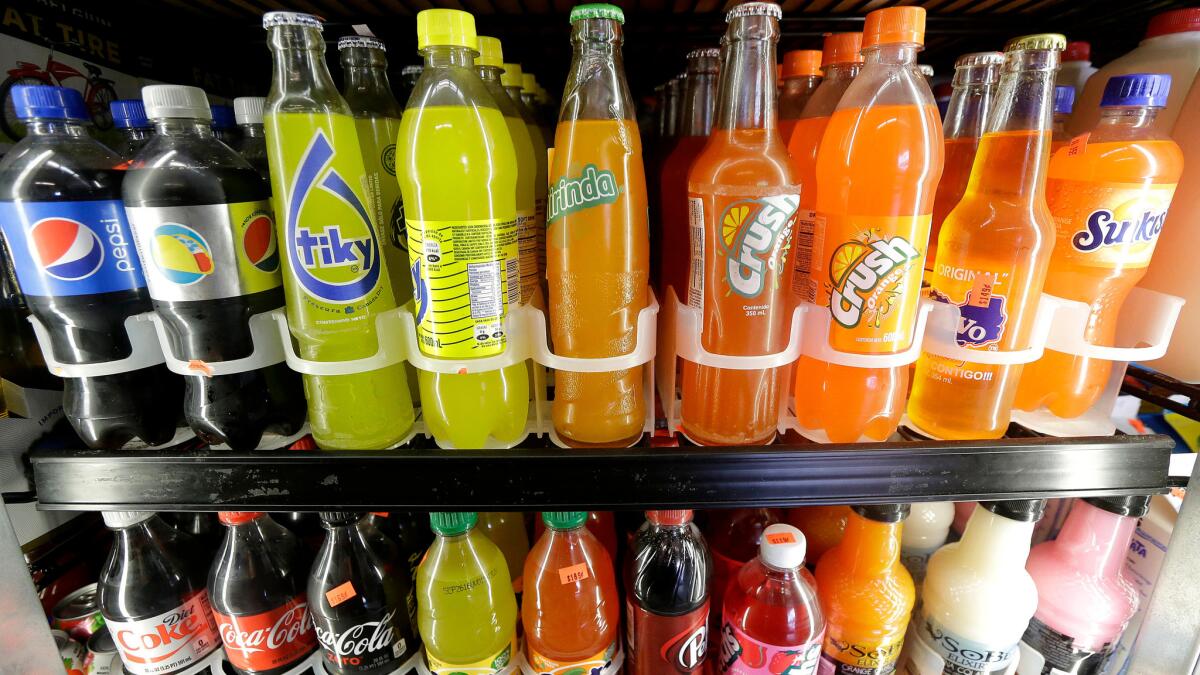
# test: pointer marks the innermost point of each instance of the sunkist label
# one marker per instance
(275, 638)
(666, 645)
(959, 655)
(841, 656)
(1107, 224)
(597, 664)
(744, 655)
(502, 662)
(364, 646)
(167, 642)
(1045, 651)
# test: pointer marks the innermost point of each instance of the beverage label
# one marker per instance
(598, 664)
(466, 274)
(1107, 224)
(916, 559)
(539, 214)
(269, 640)
(377, 141)
(960, 656)
(1045, 651)
(206, 252)
(982, 300)
(805, 243)
(71, 248)
(860, 657)
(503, 662)
(743, 655)
(167, 642)
(363, 646)
(661, 645)
(569, 194)
(527, 246)
(867, 270)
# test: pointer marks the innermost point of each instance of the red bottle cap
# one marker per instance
(842, 48)
(894, 24)
(1183, 20)
(237, 517)
(1077, 51)
(801, 63)
(669, 517)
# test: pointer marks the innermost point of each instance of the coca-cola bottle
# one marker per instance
(257, 586)
(667, 596)
(152, 596)
(410, 531)
(360, 613)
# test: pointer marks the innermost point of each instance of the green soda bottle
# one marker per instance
(334, 275)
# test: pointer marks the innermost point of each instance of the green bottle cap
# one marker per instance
(564, 520)
(597, 11)
(449, 524)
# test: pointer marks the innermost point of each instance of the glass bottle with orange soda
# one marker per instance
(742, 199)
(878, 167)
(1064, 103)
(801, 76)
(993, 252)
(1108, 192)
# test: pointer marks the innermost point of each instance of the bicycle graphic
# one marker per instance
(97, 94)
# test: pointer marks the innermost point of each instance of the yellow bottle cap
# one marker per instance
(446, 27)
(490, 52)
(511, 77)
(1053, 41)
(528, 83)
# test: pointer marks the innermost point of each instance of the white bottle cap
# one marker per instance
(173, 100)
(118, 519)
(249, 109)
(782, 546)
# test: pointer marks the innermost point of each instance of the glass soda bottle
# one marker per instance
(129, 117)
(1108, 194)
(334, 275)
(458, 173)
(597, 237)
(743, 196)
(878, 166)
(510, 78)
(1064, 103)
(801, 77)
(993, 253)
(253, 146)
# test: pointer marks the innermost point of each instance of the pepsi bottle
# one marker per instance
(129, 117)
(202, 219)
(71, 248)
(224, 124)
(253, 145)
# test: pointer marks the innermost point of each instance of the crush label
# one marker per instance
(744, 655)
(598, 664)
(1107, 224)
(503, 662)
(167, 642)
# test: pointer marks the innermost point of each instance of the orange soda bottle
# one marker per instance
(743, 198)
(823, 527)
(571, 611)
(866, 594)
(877, 168)
(801, 76)
(597, 239)
(1109, 192)
(993, 252)
(1064, 102)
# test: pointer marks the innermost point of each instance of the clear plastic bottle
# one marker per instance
(734, 537)
(510, 78)
(224, 124)
(129, 117)
(253, 146)
(801, 77)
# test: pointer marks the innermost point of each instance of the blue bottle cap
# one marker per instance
(39, 100)
(1064, 99)
(1137, 89)
(129, 113)
(223, 117)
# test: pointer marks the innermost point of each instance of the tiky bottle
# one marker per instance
(993, 252)
(801, 77)
(510, 78)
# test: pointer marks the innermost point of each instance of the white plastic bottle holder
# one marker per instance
(213, 664)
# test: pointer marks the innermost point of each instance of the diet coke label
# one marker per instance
(363, 646)
(269, 640)
(167, 642)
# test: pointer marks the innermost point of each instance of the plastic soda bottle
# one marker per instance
(733, 537)
(1064, 102)
(248, 110)
(506, 529)
(993, 252)
(742, 197)
(925, 531)
(458, 174)
(772, 622)
(597, 238)
(466, 610)
(129, 117)
(823, 528)
(866, 594)
(877, 169)
(602, 525)
(801, 76)
(510, 78)
(1109, 193)
(333, 274)
(571, 611)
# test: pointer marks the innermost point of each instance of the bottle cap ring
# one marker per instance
(597, 10)
(272, 19)
(755, 9)
(1038, 41)
(363, 41)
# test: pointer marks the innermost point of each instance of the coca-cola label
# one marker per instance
(361, 647)
(269, 640)
(169, 641)
(659, 645)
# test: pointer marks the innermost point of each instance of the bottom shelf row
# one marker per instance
(1016, 586)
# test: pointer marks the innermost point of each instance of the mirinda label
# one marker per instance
(1106, 224)
(743, 655)
(501, 663)
(599, 664)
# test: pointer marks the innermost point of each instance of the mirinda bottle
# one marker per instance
(743, 194)
(877, 169)
(801, 76)
(1109, 193)
(993, 252)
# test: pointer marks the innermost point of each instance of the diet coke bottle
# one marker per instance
(257, 585)
(153, 598)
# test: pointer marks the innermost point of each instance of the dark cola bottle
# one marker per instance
(410, 530)
(359, 612)
(152, 596)
(257, 587)
(667, 595)
(204, 535)
(253, 145)
(78, 270)
(203, 221)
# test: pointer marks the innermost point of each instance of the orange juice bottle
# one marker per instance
(743, 194)
(866, 594)
(877, 168)
(1109, 194)
(597, 239)
(993, 252)
(1064, 102)
(801, 76)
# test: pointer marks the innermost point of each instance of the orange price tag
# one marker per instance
(781, 538)
(1078, 144)
(981, 292)
(569, 575)
(340, 594)
(381, 514)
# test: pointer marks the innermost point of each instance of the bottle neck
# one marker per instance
(1119, 121)
(746, 95)
(183, 126)
(901, 54)
(872, 547)
(994, 542)
(596, 88)
(299, 70)
(966, 113)
(446, 56)
(41, 126)
(1096, 540)
(1025, 93)
(698, 98)
(252, 130)
(841, 71)
(365, 72)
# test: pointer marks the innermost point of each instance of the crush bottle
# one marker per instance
(993, 253)
(510, 77)
(597, 237)
(458, 175)
(801, 77)
(742, 199)
(334, 275)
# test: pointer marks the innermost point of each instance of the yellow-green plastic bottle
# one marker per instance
(512, 78)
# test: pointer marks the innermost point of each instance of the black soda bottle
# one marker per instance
(71, 248)
(129, 117)
(253, 145)
(224, 124)
(203, 223)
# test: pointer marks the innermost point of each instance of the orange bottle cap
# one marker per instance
(801, 63)
(894, 24)
(842, 48)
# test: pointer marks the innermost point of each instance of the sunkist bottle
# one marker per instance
(1084, 599)
(742, 197)
(877, 169)
(1109, 194)
(977, 598)
(1064, 102)
(801, 77)
(466, 609)
(333, 273)
(772, 622)
(510, 78)
(248, 110)
(823, 528)
(733, 537)
(597, 237)
(866, 594)
(507, 531)
(925, 531)
(571, 611)
(458, 174)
